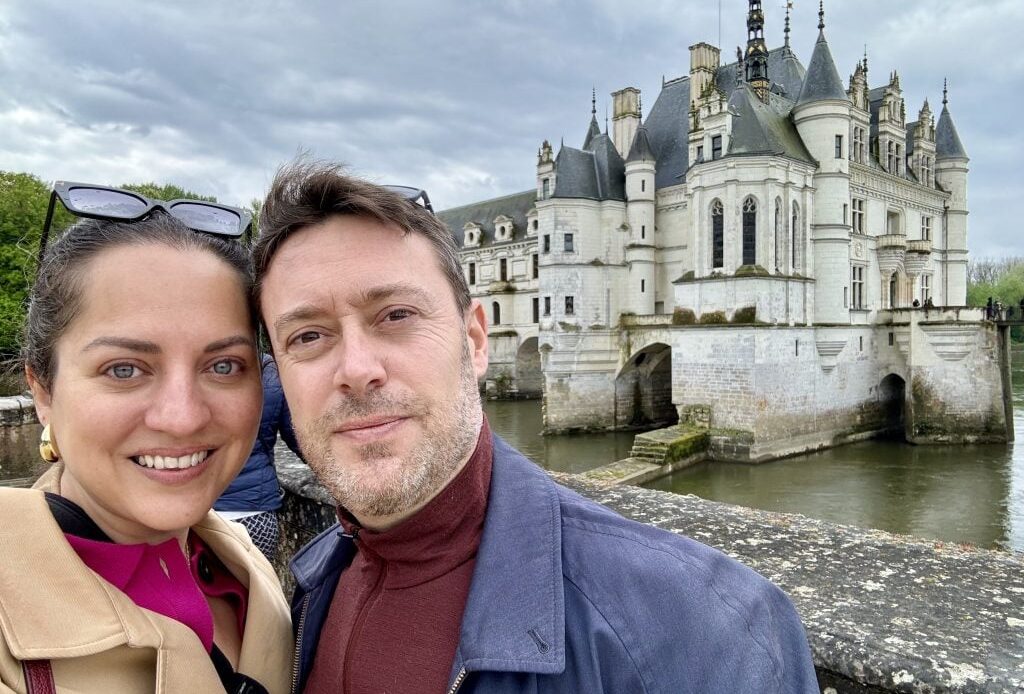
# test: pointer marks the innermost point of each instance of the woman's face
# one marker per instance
(156, 397)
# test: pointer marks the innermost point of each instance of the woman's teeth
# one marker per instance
(164, 462)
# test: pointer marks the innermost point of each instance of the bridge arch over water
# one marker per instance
(643, 389)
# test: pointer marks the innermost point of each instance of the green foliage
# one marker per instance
(1001, 280)
(683, 316)
(687, 445)
(745, 314)
(713, 318)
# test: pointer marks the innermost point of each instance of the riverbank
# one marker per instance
(883, 613)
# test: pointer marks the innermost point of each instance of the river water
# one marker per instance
(956, 494)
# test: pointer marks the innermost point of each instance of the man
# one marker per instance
(458, 565)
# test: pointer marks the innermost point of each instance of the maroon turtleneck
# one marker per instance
(393, 624)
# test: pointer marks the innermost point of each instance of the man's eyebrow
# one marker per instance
(227, 342)
(144, 346)
(386, 291)
(304, 312)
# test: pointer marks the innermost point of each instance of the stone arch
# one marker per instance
(643, 389)
(529, 377)
(892, 396)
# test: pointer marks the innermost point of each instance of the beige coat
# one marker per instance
(52, 606)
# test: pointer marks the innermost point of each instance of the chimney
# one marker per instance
(625, 118)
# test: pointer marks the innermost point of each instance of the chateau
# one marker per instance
(769, 250)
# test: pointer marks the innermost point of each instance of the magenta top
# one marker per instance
(161, 579)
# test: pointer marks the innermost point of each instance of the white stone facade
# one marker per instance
(801, 216)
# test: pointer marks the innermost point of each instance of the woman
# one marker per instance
(116, 576)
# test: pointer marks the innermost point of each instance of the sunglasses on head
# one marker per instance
(116, 204)
(417, 196)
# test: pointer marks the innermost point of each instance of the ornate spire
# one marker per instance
(593, 101)
(757, 52)
(789, 8)
(945, 92)
(821, 15)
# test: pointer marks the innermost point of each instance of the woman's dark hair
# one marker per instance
(56, 297)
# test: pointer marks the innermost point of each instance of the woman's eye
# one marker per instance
(122, 371)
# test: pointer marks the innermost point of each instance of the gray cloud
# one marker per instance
(452, 95)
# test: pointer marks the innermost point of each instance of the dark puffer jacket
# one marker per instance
(256, 487)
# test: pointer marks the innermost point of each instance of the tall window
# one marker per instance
(890, 157)
(926, 170)
(858, 215)
(926, 288)
(857, 154)
(700, 153)
(893, 284)
(797, 234)
(716, 147)
(749, 231)
(857, 283)
(899, 160)
(926, 228)
(567, 244)
(569, 307)
(546, 244)
(717, 234)
(503, 269)
(547, 305)
(472, 273)
(536, 310)
(778, 232)
(495, 313)
(536, 265)
(839, 146)
(545, 188)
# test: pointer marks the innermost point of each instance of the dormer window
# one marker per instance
(502, 228)
(471, 235)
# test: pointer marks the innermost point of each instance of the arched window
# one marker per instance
(749, 231)
(796, 233)
(717, 234)
(496, 313)
(778, 233)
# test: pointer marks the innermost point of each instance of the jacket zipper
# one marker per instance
(458, 681)
(357, 627)
(298, 642)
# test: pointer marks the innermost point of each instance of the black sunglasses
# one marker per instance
(417, 196)
(116, 204)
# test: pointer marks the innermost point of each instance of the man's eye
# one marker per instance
(398, 314)
(307, 337)
(225, 367)
(122, 371)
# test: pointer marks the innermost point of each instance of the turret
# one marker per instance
(922, 158)
(640, 251)
(545, 171)
(822, 117)
(860, 125)
(951, 168)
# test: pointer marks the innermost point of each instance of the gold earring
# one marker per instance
(48, 447)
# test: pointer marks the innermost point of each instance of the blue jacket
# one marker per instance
(567, 596)
(256, 488)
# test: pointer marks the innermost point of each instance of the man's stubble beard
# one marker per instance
(448, 437)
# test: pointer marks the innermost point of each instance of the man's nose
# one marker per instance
(360, 367)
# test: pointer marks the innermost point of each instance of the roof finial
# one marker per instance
(945, 92)
(821, 15)
(606, 118)
(865, 59)
(789, 7)
(593, 102)
(640, 106)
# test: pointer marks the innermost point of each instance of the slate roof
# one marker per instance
(822, 81)
(593, 131)
(947, 140)
(596, 174)
(760, 128)
(784, 70)
(668, 126)
(515, 206)
(641, 148)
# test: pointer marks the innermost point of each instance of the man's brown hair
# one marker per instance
(305, 193)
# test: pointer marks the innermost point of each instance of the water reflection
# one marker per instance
(20, 463)
(519, 423)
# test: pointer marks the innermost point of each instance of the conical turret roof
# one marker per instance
(641, 149)
(822, 82)
(947, 140)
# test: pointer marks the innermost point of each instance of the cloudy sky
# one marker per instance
(451, 95)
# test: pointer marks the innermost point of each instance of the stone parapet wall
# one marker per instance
(17, 410)
(883, 613)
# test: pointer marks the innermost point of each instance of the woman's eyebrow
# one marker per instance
(128, 343)
(233, 341)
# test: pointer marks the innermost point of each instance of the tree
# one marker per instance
(165, 192)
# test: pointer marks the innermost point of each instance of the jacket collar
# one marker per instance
(514, 619)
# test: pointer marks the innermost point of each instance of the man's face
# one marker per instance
(378, 363)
